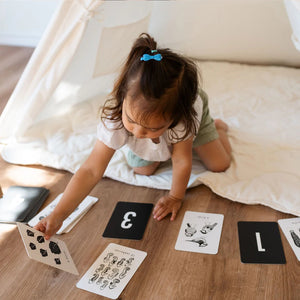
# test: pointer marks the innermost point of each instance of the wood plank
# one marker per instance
(12, 63)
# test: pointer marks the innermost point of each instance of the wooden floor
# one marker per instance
(165, 274)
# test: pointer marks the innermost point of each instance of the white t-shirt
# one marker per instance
(144, 148)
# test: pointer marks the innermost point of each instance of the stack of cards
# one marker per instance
(112, 270)
(21, 203)
(291, 230)
(72, 220)
(52, 252)
(200, 232)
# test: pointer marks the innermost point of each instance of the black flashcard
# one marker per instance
(21, 203)
(128, 221)
(260, 243)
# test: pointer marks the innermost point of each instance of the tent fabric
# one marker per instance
(52, 116)
(46, 67)
(65, 59)
(293, 11)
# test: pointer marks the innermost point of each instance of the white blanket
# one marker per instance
(261, 105)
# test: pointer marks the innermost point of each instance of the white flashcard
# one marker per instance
(291, 230)
(200, 232)
(52, 252)
(112, 270)
(73, 218)
(69, 226)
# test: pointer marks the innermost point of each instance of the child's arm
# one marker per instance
(182, 166)
(78, 188)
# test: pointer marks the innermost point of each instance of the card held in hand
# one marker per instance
(72, 219)
(52, 252)
(112, 270)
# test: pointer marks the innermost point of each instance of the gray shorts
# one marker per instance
(207, 133)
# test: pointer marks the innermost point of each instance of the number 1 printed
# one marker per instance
(258, 241)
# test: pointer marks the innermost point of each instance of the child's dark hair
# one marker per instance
(169, 86)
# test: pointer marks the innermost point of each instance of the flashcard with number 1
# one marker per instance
(260, 243)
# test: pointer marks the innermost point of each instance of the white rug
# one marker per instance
(260, 104)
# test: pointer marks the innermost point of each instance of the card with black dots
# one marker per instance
(53, 252)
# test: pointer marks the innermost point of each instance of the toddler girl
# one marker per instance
(159, 111)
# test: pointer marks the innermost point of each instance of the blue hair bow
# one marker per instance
(147, 57)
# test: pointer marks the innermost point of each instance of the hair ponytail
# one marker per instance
(169, 86)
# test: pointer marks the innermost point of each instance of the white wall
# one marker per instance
(22, 22)
(251, 31)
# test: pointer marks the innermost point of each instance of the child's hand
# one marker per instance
(166, 205)
(49, 226)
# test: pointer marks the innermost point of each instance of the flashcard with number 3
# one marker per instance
(128, 221)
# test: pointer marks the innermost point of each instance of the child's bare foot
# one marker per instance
(221, 125)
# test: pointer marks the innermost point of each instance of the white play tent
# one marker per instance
(52, 115)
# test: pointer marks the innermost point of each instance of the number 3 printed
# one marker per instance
(126, 220)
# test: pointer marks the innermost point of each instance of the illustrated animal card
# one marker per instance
(112, 271)
(52, 252)
(128, 221)
(260, 242)
(200, 232)
(291, 230)
(73, 218)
